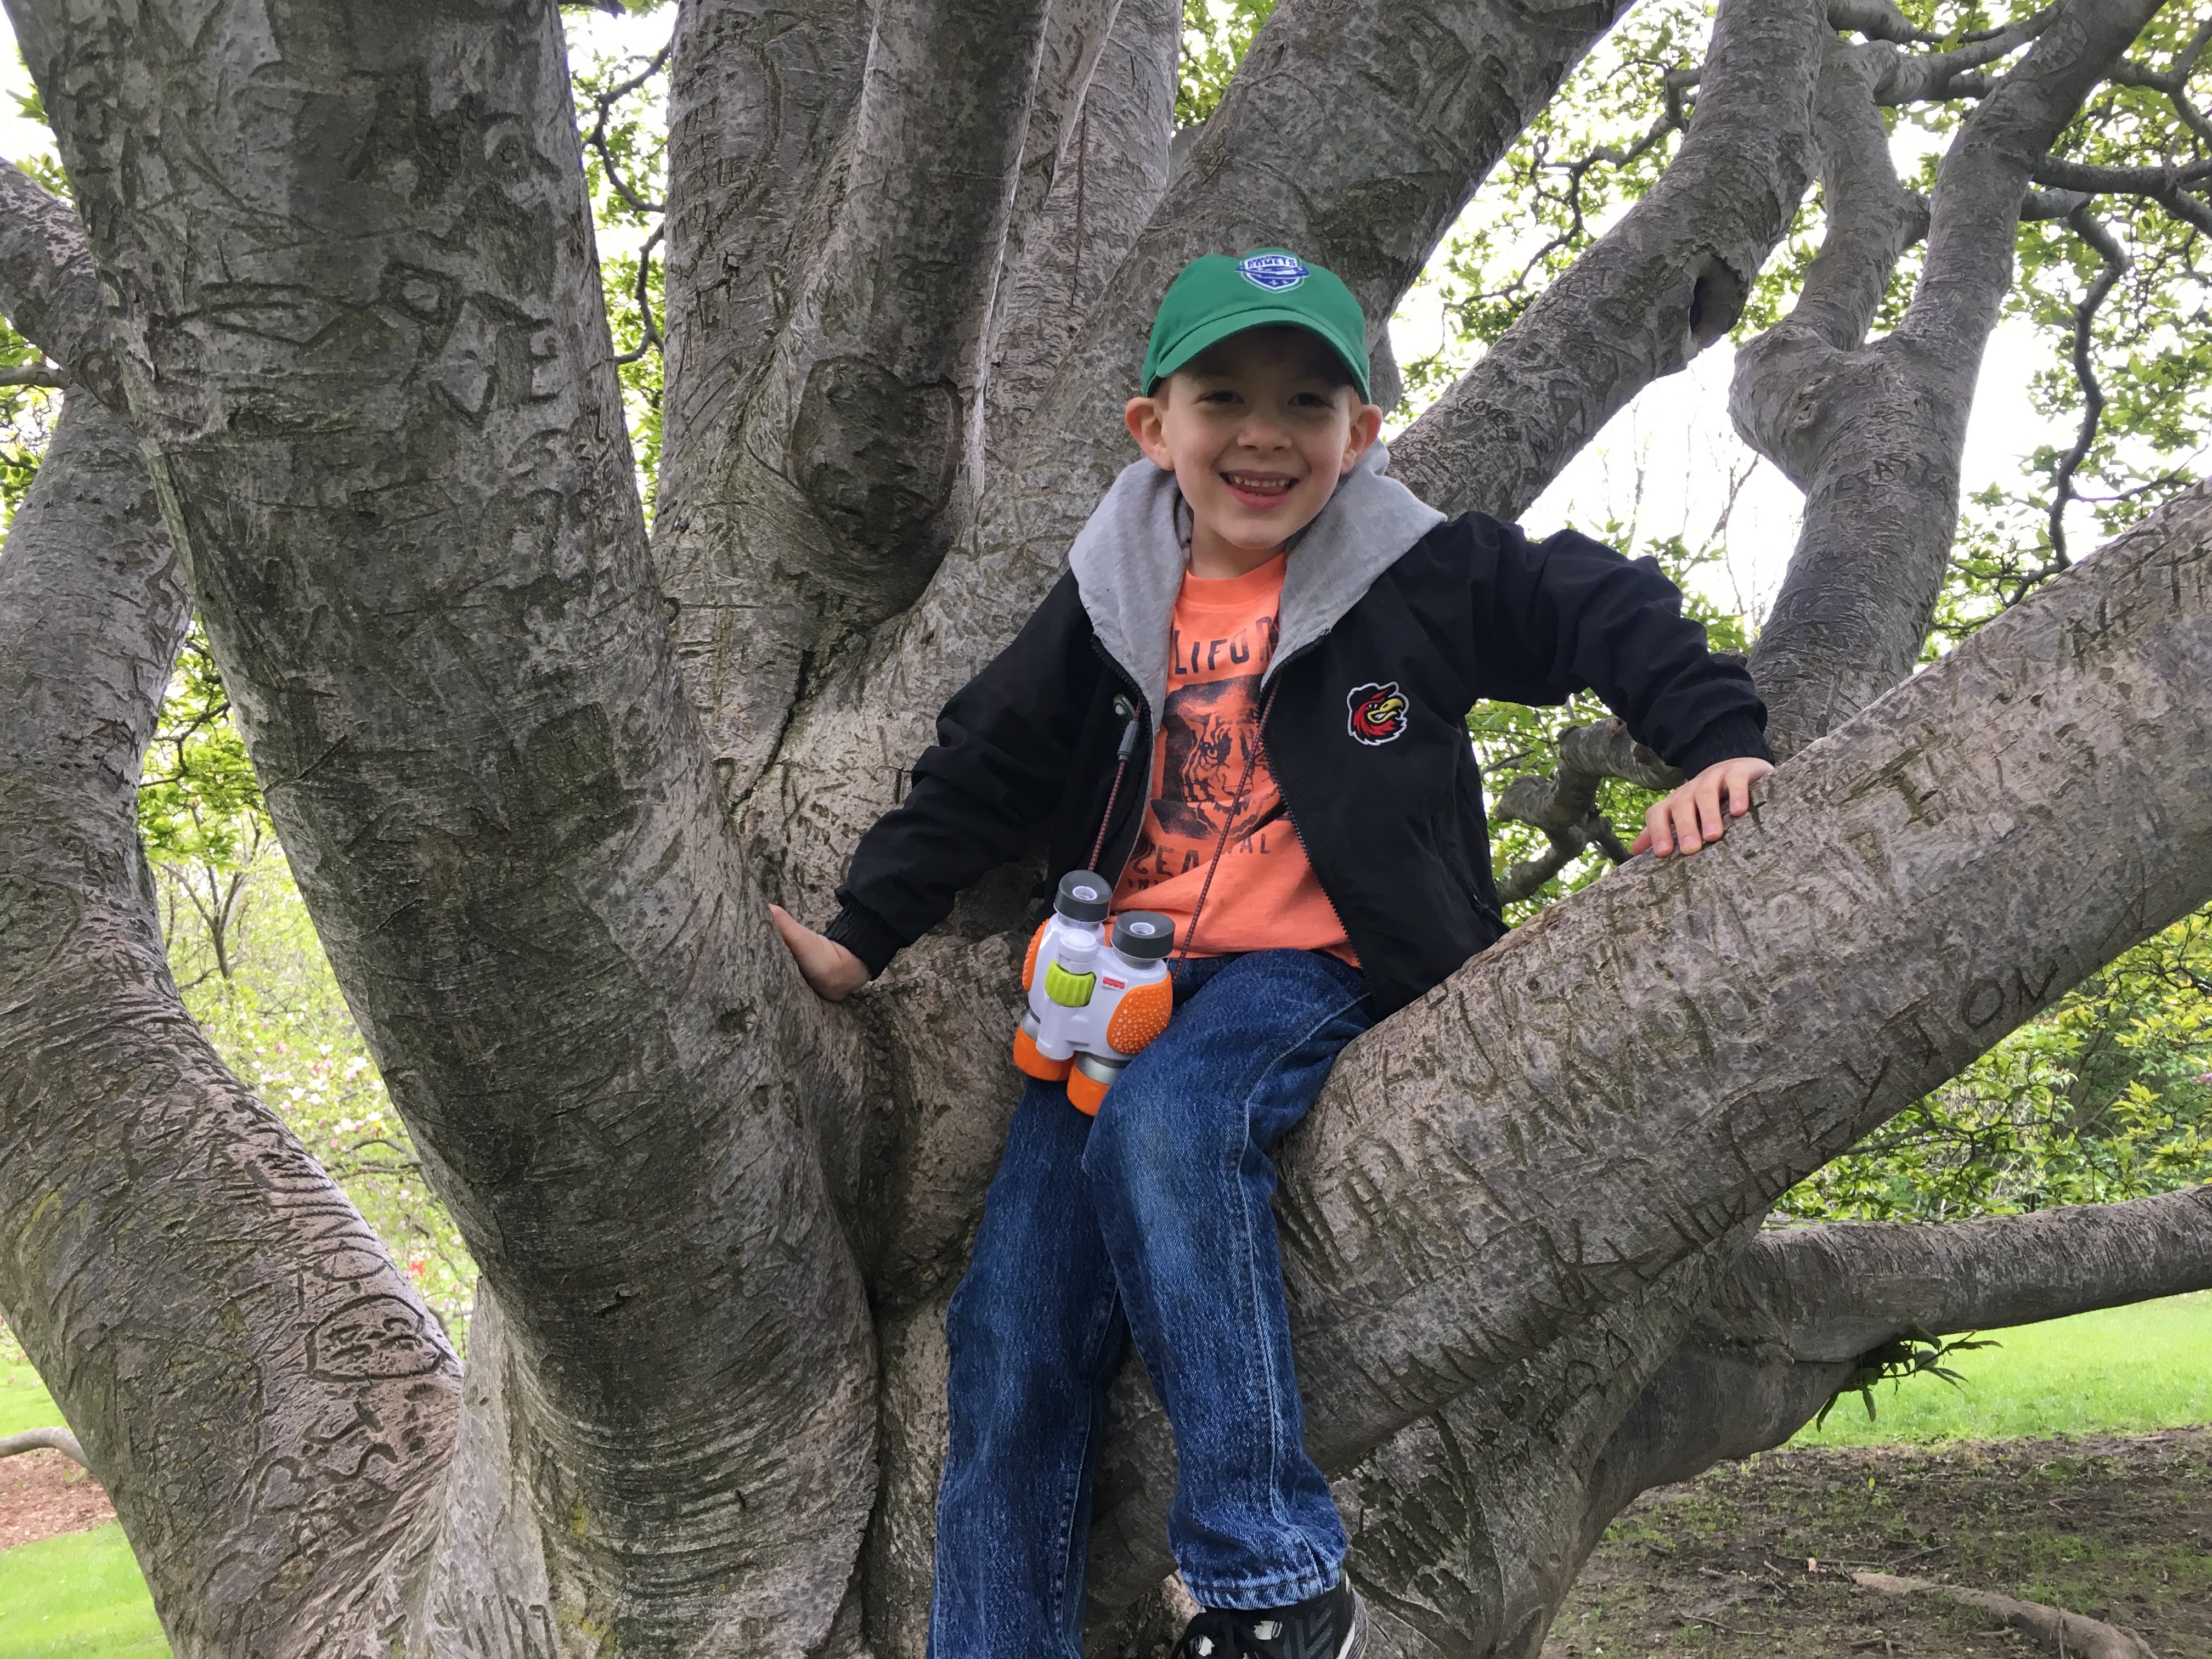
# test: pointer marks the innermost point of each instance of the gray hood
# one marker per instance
(1129, 563)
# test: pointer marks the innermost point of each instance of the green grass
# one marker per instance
(24, 1401)
(78, 1597)
(2124, 1370)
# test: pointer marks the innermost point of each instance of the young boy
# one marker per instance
(1282, 644)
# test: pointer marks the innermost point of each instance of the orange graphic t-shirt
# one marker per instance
(1264, 895)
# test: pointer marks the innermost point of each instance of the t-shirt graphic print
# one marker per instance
(1264, 895)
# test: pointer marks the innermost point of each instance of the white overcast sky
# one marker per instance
(1661, 465)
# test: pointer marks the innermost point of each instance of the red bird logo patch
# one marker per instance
(1378, 713)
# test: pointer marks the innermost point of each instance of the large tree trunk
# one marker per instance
(537, 784)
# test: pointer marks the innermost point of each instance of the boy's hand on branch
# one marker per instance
(833, 972)
(1700, 811)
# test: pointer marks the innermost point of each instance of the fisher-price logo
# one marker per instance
(1279, 273)
(1378, 713)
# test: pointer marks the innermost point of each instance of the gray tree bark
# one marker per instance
(537, 783)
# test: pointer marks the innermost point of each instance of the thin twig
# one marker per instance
(598, 140)
(650, 339)
(2084, 371)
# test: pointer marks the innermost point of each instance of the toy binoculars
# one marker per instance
(1094, 1002)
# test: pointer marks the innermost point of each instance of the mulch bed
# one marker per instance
(43, 1493)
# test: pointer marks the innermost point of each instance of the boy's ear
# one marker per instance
(1143, 416)
(1366, 427)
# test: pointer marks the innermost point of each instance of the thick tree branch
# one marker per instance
(1804, 1304)
(1874, 434)
(2173, 188)
(1485, 1170)
(1832, 1292)
(255, 1382)
(759, 98)
(1878, 20)
(31, 1440)
(1069, 134)
(1102, 196)
(450, 663)
(48, 290)
(1666, 281)
(828, 509)
(1975, 210)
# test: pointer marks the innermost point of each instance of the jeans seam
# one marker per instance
(1276, 1427)
(1063, 1542)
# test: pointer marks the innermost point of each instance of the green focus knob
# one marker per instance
(1068, 990)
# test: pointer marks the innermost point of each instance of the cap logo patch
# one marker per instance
(1279, 273)
(1377, 713)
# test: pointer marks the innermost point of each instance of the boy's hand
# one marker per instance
(1700, 811)
(833, 972)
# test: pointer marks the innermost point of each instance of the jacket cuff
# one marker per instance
(1726, 739)
(867, 935)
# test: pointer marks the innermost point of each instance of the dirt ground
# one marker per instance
(1755, 1557)
(42, 1492)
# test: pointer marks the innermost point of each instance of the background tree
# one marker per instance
(326, 300)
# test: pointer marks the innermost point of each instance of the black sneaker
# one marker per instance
(1331, 1626)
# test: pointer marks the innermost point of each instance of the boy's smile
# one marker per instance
(1257, 430)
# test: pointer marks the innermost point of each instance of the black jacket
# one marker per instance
(1366, 739)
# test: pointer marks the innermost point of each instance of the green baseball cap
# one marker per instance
(1215, 296)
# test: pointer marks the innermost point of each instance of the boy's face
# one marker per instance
(1257, 430)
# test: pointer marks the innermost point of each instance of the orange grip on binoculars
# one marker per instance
(1029, 962)
(1034, 1064)
(1085, 1092)
(1142, 1016)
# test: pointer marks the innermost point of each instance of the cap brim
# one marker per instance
(1215, 329)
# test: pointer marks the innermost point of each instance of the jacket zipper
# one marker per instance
(1120, 773)
(1140, 713)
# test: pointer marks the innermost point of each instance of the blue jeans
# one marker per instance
(1150, 1222)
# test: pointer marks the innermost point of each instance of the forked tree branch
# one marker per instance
(1874, 434)
(2173, 80)
(1667, 281)
(256, 1385)
(1908, 77)
(829, 499)
(1564, 806)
